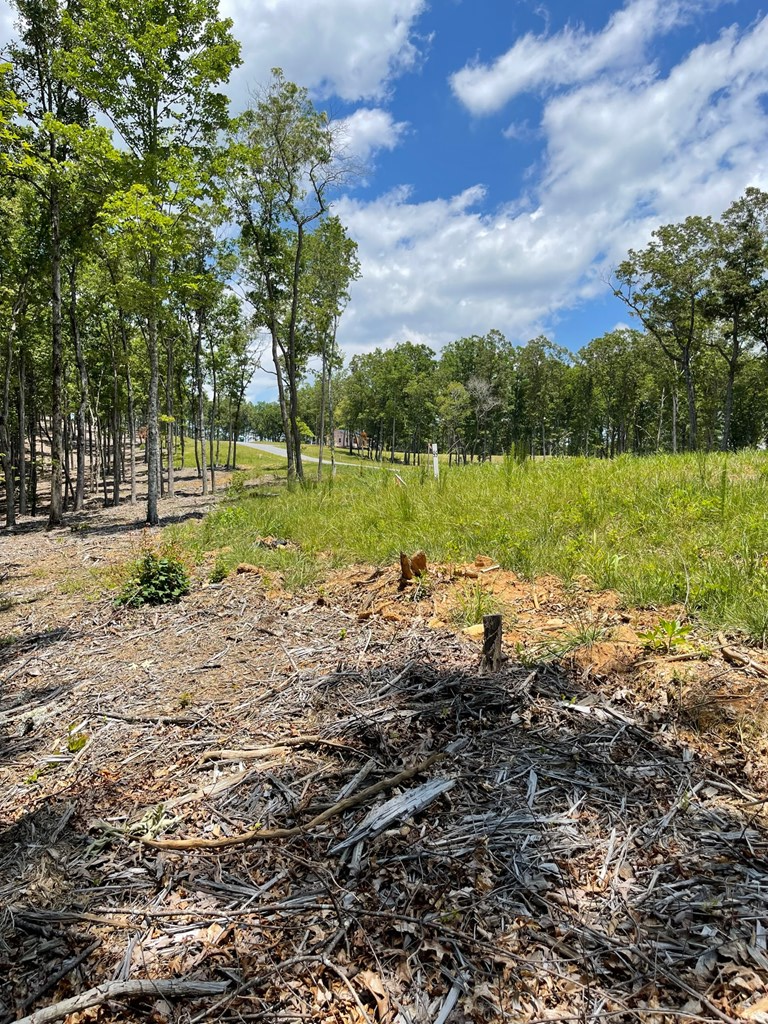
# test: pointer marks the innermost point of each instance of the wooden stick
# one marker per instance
(737, 658)
(124, 990)
(258, 834)
(278, 747)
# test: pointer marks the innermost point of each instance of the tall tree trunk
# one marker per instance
(294, 397)
(236, 424)
(675, 404)
(725, 441)
(323, 388)
(57, 362)
(733, 365)
(690, 388)
(32, 457)
(116, 446)
(83, 375)
(287, 434)
(5, 438)
(69, 487)
(102, 440)
(153, 437)
(22, 433)
(170, 438)
(95, 451)
(131, 407)
(212, 421)
(199, 396)
(290, 355)
(661, 420)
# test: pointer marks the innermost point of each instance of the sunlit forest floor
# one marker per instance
(591, 842)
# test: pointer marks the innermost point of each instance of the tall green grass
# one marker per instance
(667, 529)
(250, 460)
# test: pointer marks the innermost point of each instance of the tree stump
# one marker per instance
(491, 643)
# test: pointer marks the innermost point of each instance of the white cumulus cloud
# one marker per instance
(622, 155)
(349, 48)
(569, 56)
(366, 131)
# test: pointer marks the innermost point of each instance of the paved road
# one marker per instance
(273, 450)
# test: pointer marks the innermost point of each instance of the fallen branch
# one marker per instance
(737, 658)
(288, 833)
(279, 747)
(398, 808)
(167, 988)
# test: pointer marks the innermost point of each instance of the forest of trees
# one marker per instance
(154, 249)
(693, 373)
(149, 242)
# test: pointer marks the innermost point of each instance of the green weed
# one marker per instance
(219, 572)
(154, 579)
(89, 584)
(36, 773)
(300, 571)
(665, 635)
(474, 603)
(75, 740)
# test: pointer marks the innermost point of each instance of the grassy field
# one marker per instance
(248, 459)
(689, 529)
(343, 456)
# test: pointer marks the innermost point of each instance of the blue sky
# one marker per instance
(515, 150)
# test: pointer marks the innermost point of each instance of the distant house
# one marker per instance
(355, 440)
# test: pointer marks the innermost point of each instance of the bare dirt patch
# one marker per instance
(593, 841)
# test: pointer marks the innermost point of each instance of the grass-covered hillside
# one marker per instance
(688, 529)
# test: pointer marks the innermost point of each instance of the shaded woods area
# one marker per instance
(582, 853)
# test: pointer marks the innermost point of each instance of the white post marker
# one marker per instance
(434, 460)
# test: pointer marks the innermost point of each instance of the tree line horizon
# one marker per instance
(694, 375)
(125, 299)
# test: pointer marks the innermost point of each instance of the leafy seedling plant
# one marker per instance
(219, 573)
(154, 579)
(665, 635)
(75, 740)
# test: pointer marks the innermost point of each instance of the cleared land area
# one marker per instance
(584, 833)
(689, 529)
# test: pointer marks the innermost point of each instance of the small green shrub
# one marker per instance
(154, 579)
(236, 489)
(668, 633)
(218, 573)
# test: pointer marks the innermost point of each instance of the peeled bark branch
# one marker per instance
(168, 988)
